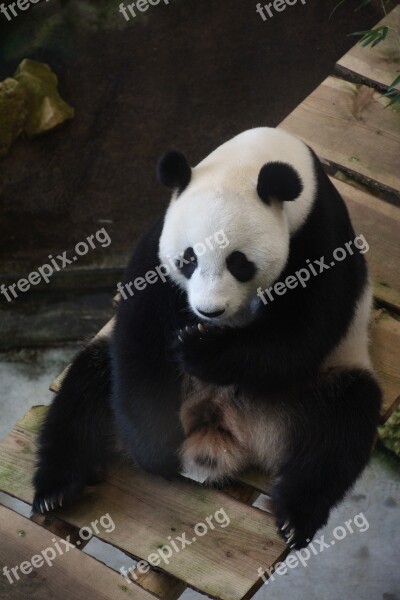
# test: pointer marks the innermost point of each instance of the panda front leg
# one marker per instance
(333, 425)
(77, 439)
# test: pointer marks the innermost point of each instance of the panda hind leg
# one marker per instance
(333, 427)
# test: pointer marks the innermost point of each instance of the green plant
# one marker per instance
(373, 37)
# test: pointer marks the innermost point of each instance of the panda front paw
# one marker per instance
(298, 520)
(44, 502)
(200, 349)
(53, 491)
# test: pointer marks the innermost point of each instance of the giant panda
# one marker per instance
(200, 371)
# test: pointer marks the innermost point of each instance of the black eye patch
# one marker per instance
(187, 263)
(240, 267)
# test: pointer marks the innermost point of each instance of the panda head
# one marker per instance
(227, 230)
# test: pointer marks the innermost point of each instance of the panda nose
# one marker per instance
(211, 315)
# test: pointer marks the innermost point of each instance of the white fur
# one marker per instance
(222, 195)
(352, 351)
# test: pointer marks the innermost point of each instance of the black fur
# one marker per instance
(77, 439)
(332, 418)
(240, 266)
(279, 180)
(146, 395)
(336, 418)
(189, 263)
(173, 171)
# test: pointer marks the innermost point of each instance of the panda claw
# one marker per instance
(201, 328)
(290, 539)
(46, 505)
(60, 500)
(285, 525)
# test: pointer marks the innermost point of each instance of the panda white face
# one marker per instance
(227, 252)
(226, 231)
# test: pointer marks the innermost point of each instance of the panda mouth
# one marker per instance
(211, 315)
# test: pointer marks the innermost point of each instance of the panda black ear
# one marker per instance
(279, 180)
(173, 171)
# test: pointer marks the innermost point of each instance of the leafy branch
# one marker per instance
(393, 94)
(373, 37)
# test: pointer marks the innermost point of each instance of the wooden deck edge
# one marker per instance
(391, 195)
(358, 79)
(387, 297)
(388, 413)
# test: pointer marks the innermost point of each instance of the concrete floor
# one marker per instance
(362, 566)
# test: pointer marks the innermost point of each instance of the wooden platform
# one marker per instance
(360, 141)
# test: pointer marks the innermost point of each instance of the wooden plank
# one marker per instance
(15, 477)
(72, 575)
(146, 510)
(256, 479)
(347, 126)
(162, 585)
(156, 582)
(379, 222)
(60, 528)
(379, 65)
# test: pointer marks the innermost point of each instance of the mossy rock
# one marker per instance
(46, 109)
(389, 433)
(13, 112)
(30, 103)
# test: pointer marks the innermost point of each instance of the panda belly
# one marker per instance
(225, 433)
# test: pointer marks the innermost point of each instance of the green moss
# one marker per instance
(389, 433)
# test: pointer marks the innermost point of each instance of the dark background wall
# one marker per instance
(189, 75)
